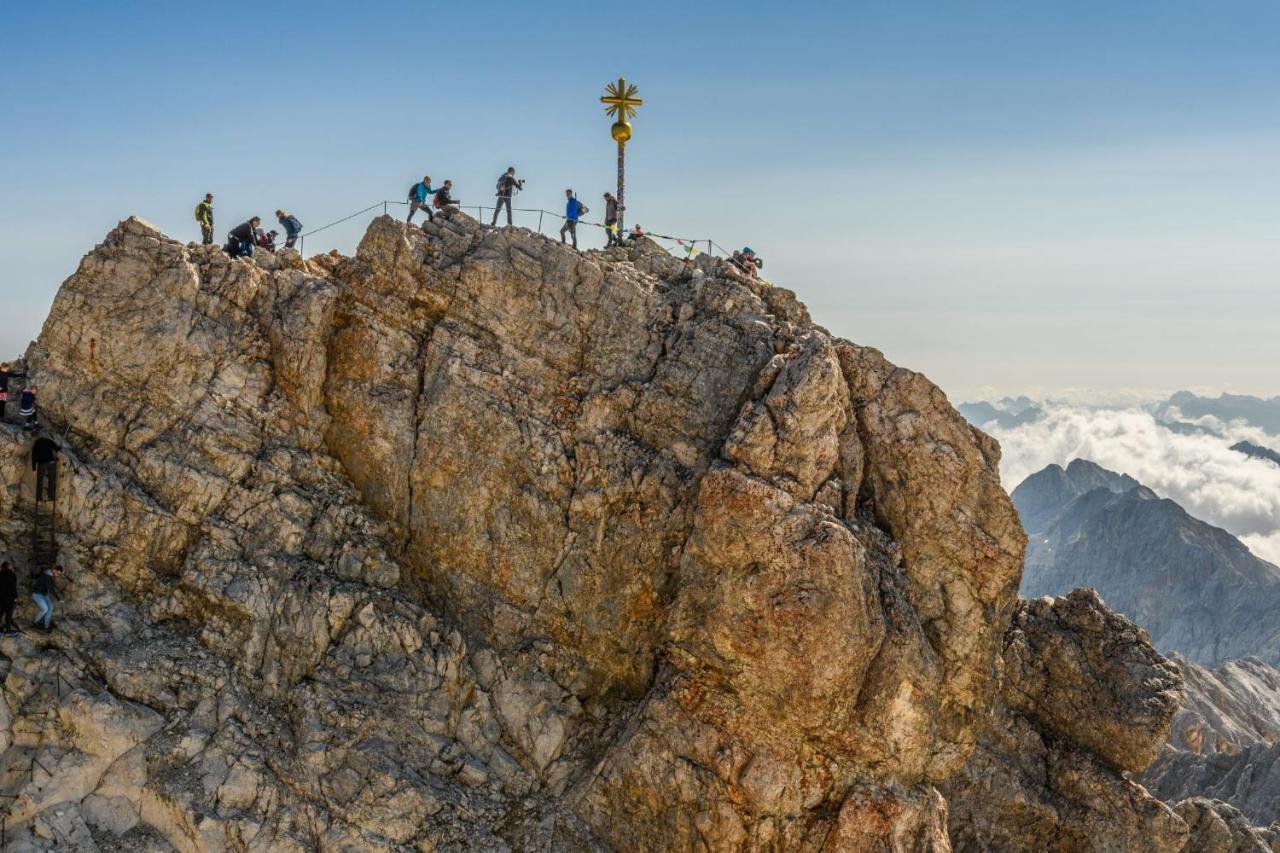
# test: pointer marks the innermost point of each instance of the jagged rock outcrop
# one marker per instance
(476, 542)
(1084, 698)
(1195, 588)
(1224, 743)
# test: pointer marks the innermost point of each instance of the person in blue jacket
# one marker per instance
(292, 227)
(573, 211)
(419, 198)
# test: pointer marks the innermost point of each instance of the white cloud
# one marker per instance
(1200, 472)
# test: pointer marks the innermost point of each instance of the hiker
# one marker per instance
(27, 406)
(5, 375)
(612, 238)
(748, 261)
(418, 195)
(636, 233)
(241, 239)
(8, 598)
(204, 215)
(442, 198)
(292, 227)
(45, 591)
(268, 241)
(573, 209)
(44, 461)
(507, 184)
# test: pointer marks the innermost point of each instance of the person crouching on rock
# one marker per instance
(241, 239)
(443, 197)
(44, 594)
(748, 262)
(8, 597)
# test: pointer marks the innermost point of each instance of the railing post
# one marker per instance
(540, 212)
(384, 208)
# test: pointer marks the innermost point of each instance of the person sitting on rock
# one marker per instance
(292, 227)
(27, 406)
(44, 461)
(748, 262)
(8, 597)
(636, 233)
(44, 593)
(268, 241)
(242, 238)
(418, 195)
(443, 199)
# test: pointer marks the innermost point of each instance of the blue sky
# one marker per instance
(1007, 196)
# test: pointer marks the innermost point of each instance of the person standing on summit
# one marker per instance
(418, 195)
(573, 211)
(507, 184)
(292, 227)
(204, 215)
(612, 237)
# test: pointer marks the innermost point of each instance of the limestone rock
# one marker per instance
(473, 541)
(1083, 697)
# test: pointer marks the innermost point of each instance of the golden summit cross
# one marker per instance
(621, 102)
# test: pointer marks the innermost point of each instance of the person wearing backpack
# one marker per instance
(573, 211)
(418, 195)
(443, 199)
(292, 227)
(204, 215)
(5, 375)
(507, 184)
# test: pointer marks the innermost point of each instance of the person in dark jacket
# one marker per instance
(5, 375)
(43, 595)
(612, 237)
(44, 461)
(27, 406)
(242, 238)
(507, 184)
(418, 195)
(292, 227)
(443, 199)
(8, 597)
(573, 210)
(204, 216)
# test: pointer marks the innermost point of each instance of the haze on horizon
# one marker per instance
(1002, 197)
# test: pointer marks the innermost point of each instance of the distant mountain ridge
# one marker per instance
(1261, 412)
(1195, 588)
(1007, 413)
(1257, 451)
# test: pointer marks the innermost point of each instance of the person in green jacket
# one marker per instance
(204, 215)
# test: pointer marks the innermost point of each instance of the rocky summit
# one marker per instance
(475, 542)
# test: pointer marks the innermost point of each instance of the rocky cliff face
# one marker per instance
(1225, 742)
(476, 542)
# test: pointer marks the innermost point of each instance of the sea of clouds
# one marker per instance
(1199, 471)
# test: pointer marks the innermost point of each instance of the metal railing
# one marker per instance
(687, 246)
